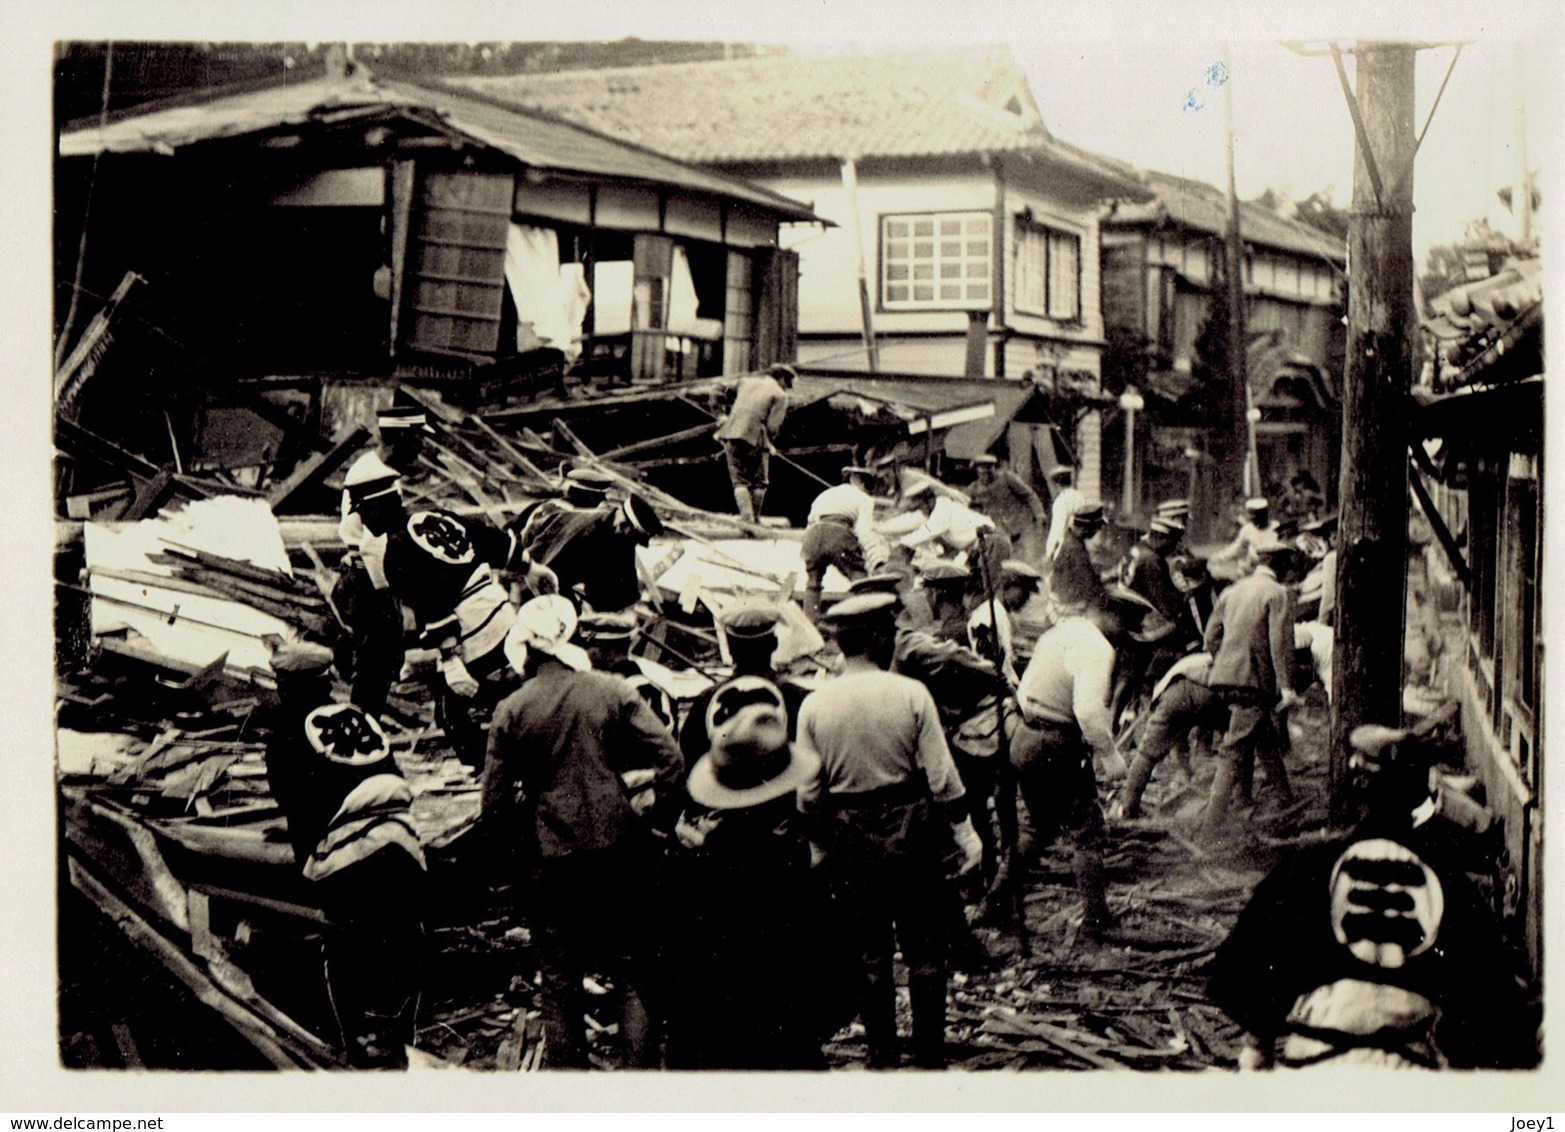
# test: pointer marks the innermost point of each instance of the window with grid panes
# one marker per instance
(1048, 272)
(934, 260)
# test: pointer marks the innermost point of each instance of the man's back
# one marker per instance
(759, 406)
(560, 742)
(874, 729)
(1250, 633)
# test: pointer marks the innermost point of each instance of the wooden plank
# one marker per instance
(660, 441)
(150, 496)
(315, 469)
(87, 445)
(79, 367)
(280, 1050)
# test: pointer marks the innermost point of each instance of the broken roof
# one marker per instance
(535, 139)
(791, 108)
(1185, 203)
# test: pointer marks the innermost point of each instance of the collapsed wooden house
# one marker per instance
(265, 260)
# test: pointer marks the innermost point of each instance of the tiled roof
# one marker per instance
(782, 108)
(1195, 204)
(537, 140)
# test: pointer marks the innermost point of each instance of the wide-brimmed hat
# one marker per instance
(751, 760)
(546, 624)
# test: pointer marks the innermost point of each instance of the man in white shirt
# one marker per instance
(1063, 697)
(841, 532)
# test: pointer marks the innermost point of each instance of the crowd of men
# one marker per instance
(742, 868)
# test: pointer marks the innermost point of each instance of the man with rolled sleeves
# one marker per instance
(1063, 698)
(1250, 637)
(886, 794)
(840, 532)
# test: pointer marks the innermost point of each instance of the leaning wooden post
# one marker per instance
(1371, 568)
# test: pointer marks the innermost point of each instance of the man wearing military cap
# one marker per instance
(1073, 579)
(1145, 568)
(886, 773)
(594, 550)
(1250, 637)
(750, 627)
(1005, 497)
(1256, 528)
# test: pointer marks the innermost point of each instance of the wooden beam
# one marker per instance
(312, 471)
(83, 360)
(660, 441)
(1448, 543)
(282, 1050)
(81, 443)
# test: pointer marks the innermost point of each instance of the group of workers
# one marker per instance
(742, 872)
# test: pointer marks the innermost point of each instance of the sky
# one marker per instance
(1114, 76)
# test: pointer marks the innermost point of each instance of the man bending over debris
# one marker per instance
(440, 566)
(760, 404)
(593, 552)
(557, 750)
(1063, 698)
(885, 773)
(840, 532)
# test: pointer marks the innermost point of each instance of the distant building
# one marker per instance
(295, 238)
(1162, 274)
(976, 229)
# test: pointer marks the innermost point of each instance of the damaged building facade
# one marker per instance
(280, 253)
(966, 236)
(1163, 264)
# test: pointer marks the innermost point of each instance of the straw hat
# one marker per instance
(751, 760)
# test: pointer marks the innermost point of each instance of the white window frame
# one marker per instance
(965, 269)
(1061, 307)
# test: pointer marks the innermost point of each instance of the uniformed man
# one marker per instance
(750, 626)
(760, 404)
(1066, 501)
(441, 568)
(886, 773)
(1073, 579)
(1145, 567)
(594, 551)
(1014, 506)
(1256, 529)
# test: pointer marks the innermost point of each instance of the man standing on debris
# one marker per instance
(841, 532)
(885, 774)
(552, 781)
(1063, 698)
(760, 404)
(593, 552)
(1250, 637)
(1015, 507)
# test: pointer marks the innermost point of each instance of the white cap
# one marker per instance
(546, 624)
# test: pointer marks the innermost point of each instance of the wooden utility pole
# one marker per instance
(1372, 557)
(1233, 452)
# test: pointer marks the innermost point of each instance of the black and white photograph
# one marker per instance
(984, 551)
